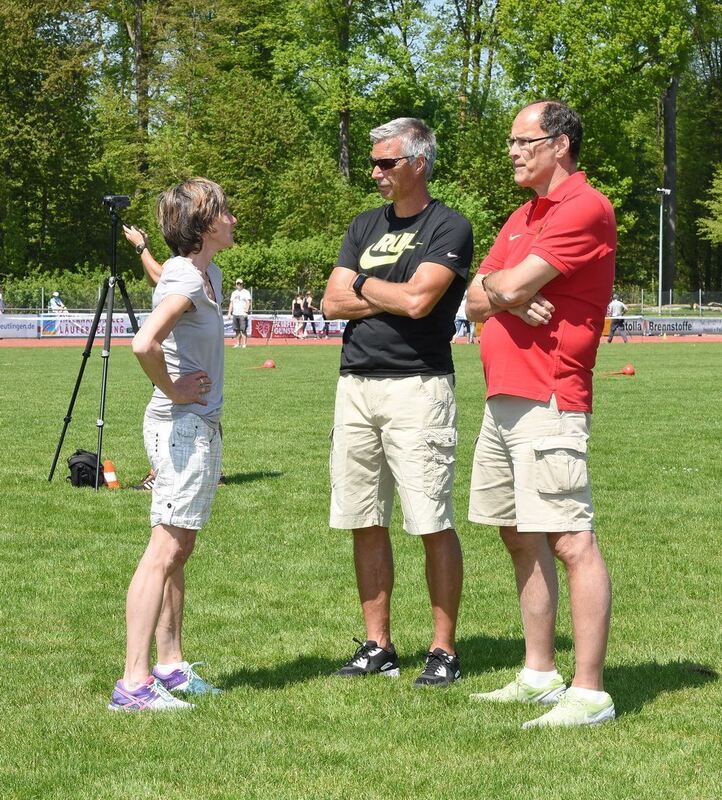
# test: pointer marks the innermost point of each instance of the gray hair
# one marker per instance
(417, 137)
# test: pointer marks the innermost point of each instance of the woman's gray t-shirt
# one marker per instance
(196, 341)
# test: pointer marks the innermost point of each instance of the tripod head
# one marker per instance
(115, 202)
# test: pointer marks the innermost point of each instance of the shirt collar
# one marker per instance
(565, 187)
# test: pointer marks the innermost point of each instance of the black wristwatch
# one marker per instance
(358, 283)
(140, 247)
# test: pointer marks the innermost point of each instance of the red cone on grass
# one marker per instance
(269, 363)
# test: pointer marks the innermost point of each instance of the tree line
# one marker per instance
(274, 99)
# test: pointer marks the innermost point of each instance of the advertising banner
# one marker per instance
(79, 325)
(283, 326)
(672, 326)
(18, 327)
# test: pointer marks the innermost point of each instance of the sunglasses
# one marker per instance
(387, 163)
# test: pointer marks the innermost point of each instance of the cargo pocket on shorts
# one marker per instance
(440, 452)
(560, 464)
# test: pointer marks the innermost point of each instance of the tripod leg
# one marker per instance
(128, 307)
(105, 355)
(86, 355)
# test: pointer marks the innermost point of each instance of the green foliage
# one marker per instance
(284, 263)
(710, 227)
(79, 289)
(275, 99)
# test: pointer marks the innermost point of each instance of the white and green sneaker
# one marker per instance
(519, 692)
(572, 711)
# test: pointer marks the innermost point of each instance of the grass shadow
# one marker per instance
(486, 653)
(478, 654)
(237, 478)
(301, 669)
(634, 685)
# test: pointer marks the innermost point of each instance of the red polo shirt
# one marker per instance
(573, 229)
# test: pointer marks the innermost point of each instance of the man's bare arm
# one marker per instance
(478, 305)
(537, 310)
(340, 301)
(512, 287)
(414, 298)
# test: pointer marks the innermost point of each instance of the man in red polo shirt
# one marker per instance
(542, 292)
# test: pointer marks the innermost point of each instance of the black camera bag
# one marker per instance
(82, 469)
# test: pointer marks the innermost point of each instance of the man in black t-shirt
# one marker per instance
(399, 279)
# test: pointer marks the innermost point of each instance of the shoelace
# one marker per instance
(362, 652)
(162, 692)
(434, 658)
(192, 675)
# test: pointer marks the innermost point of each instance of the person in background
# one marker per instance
(326, 323)
(180, 348)
(463, 326)
(542, 292)
(56, 305)
(239, 308)
(297, 314)
(309, 309)
(616, 310)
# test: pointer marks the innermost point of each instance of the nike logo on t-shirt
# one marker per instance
(387, 250)
(513, 236)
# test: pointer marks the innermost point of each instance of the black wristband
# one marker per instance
(359, 282)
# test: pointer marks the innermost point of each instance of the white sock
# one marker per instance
(166, 669)
(586, 694)
(537, 679)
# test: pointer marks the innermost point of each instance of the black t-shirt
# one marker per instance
(382, 245)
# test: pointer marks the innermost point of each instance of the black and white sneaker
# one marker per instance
(441, 669)
(370, 659)
(147, 484)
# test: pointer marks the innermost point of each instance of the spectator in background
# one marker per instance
(308, 309)
(56, 305)
(463, 326)
(239, 308)
(616, 310)
(2, 301)
(297, 314)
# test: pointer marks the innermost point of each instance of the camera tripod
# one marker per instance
(105, 301)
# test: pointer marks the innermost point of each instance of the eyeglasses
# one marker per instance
(524, 143)
(386, 163)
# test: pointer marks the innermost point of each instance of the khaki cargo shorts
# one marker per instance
(393, 432)
(530, 467)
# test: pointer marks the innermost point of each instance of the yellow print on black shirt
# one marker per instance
(387, 250)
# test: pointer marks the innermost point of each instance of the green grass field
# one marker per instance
(272, 606)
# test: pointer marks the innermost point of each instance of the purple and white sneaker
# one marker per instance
(185, 679)
(149, 696)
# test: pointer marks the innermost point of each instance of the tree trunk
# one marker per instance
(669, 106)
(344, 113)
(140, 64)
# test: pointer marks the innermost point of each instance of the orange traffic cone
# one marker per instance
(111, 479)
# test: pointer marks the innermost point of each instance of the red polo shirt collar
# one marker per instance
(567, 186)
